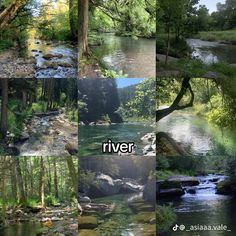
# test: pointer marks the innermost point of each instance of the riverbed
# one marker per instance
(134, 57)
(212, 52)
(197, 136)
(205, 207)
(126, 219)
(92, 137)
(53, 59)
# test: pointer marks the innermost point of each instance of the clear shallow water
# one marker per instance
(197, 135)
(123, 216)
(137, 58)
(205, 208)
(29, 228)
(92, 137)
(64, 67)
(212, 52)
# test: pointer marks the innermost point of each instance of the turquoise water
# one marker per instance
(92, 137)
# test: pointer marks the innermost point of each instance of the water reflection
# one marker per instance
(137, 58)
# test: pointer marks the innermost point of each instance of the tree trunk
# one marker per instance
(175, 105)
(14, 184)
(55, 178)
(72, 18)
(168, 45)
(83, 20)
(41, 182)
(10, 12)
(3, 124)
(22, 199)
(72, 173)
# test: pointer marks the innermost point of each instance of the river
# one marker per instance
(29, 228)
(212, 52)
(92, 137)
(197, 136)
(61, 64)
(134, 57)
(129, 216)
(205, 207)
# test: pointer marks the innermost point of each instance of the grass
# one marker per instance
(228, 36)
(5, 44)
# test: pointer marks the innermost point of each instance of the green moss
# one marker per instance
(87, 222)
(87, 232)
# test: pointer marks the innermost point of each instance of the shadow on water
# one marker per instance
(28, 228)
(135, 57)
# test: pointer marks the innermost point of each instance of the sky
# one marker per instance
(124, 82)
(211, 4)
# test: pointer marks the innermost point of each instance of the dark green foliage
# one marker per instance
(98, 98)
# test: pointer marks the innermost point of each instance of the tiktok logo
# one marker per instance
(176, 227)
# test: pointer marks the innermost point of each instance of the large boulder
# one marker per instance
(185, 180)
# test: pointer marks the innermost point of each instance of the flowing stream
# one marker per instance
(53, 59)
(122, 221)
(205, 207)
(134, 57)
(197, 136)
(212, 52)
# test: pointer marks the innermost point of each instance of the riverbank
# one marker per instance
(60, 220)
(227, 36)
(43, 59)
(14, 66)
(46, 134)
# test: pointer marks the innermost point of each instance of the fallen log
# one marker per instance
(50, 113)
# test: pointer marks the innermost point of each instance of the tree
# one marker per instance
(73, 18)
(4, 103)
(185, 87)
(83, 21)
(42, 182)
(10, 12)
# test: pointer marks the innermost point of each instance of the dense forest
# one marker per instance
(41, 191)
(101, 100)
(33, 109)
(122, 18)
(29, 32)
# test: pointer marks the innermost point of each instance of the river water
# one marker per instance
(122, 221)
(134, 57)
(29, 228)
(197, 136)
(92, 137)
(205, 207)
(63, 64)
(212, 52)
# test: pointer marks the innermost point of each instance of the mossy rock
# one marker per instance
(110, 225)
(87, 222)
(88, 232)
(141, 206)
(144, 217)
(225, 187)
